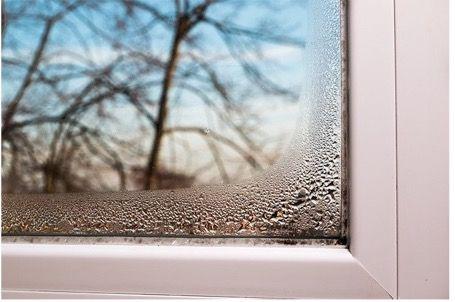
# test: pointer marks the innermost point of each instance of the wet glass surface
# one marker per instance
(226, 114)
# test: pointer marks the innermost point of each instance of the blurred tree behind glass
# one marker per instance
(143, 94)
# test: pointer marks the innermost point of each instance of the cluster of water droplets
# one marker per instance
(298, 197)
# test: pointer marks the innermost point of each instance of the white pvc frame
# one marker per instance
(378, 263)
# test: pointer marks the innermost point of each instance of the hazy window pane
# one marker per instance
(115, 95)
(143, 95)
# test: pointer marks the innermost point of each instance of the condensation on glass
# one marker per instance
(202, 117)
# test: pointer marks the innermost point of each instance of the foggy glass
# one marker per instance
(174, 118)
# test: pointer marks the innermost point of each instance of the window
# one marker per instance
(137, 95)
(390, 184)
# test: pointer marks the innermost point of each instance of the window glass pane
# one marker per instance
(149, 118)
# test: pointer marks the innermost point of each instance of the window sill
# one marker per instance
(187, 270)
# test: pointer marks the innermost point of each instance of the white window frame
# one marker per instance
(394, 156)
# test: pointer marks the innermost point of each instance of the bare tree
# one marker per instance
(61, 125)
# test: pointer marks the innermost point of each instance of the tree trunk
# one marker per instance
(49, 178)
(152, 164)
